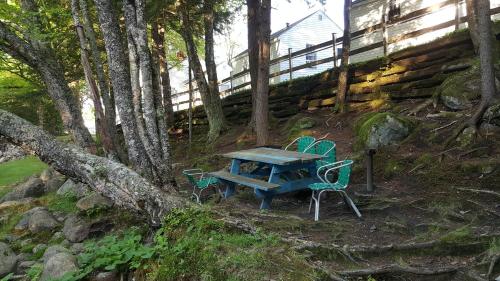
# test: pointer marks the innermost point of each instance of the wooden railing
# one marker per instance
(357, 34)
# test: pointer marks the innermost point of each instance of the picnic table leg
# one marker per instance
(230, 186)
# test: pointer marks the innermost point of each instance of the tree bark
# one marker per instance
(101, 122)
(344, 64)
(213, 82)
(119, 73)
(42, 59)
(472, 22)
(114, 180)
(211, 103)
(253, 8)
(155, 137)
(262, 97)
(158, 34)
(486, 57)
(102, 82)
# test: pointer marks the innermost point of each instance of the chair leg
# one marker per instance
(316, 211)
(351, 204)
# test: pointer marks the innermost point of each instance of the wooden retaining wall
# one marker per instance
(408, 74)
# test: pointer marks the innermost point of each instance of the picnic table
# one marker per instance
(276, 165)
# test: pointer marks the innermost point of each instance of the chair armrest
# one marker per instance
(290, 144)
(336, 168)
(318, 171)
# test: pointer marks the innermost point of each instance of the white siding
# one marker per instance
(368, 13)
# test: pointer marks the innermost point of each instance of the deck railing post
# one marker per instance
(290, 63)
(457, 14)
(334, 43)
(231, 82)
(369, 169)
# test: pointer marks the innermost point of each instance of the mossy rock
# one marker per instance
(375, 130)
(492, 114)
(298, 125)
(459, 90)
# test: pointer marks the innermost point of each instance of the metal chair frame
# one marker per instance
(297, 139)
(201, 174)
(316, 194)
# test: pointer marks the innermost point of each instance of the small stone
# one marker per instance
(373, 228)
(47, 174)
(23, 257)
(52, 250)
(58, 265)
(33, 187)
(39, 248)
(23, 266)
(8, 260)
(41, 220)
(54, 183)
(77, 248)
(106, 276)
(76, 229)
(93, 201)
(487, 169)
(73, 189)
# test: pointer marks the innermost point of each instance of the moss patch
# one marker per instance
(16, 171)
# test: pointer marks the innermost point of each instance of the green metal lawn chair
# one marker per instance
(200, 182)
(302, 143)
(344, 172)
(327, 148)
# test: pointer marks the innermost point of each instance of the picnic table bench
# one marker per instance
(274, 164)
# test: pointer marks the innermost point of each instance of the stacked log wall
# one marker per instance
(413, 73)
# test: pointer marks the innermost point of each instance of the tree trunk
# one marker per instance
(122, 185)
(211, 103)
(213, 82)
(253, 8)
(158, 34)
(156, 138)
(344, 64)
(42, 59)
(486, 57)
(262, 97)
(120, 79)
(472, 22)
(101, 122)
(102, 82)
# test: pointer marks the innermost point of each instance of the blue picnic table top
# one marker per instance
(279, 167)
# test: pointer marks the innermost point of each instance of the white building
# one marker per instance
(311, 30)
(382, 27)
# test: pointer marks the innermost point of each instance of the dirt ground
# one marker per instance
(425, 192)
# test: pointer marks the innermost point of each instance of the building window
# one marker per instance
(310, 57)
(394, 10)
(339, 52)
(320, 17)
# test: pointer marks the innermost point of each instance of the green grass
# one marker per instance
(18, 170)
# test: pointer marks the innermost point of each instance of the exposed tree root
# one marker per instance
(398, 269)
(485, 191)
(420, 107)
(494, 260)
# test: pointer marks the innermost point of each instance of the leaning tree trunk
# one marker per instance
(102, 127)
(262, 97)
(211, 104)
(344, 63)
(122, 185)
(158, 35)
(120, 80)
(253, 8)
(43, 60)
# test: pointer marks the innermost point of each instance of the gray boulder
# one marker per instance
(93, 201)
(40, 219)
(47, 174)
(76, 229)
(58, 265)
(459, 91)
(382, 129)
(9, 152)
(492, 115)
(52, 250)
(33, 187)
(8, 260)
(24, 266)
(54, 183)
(73, 189)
